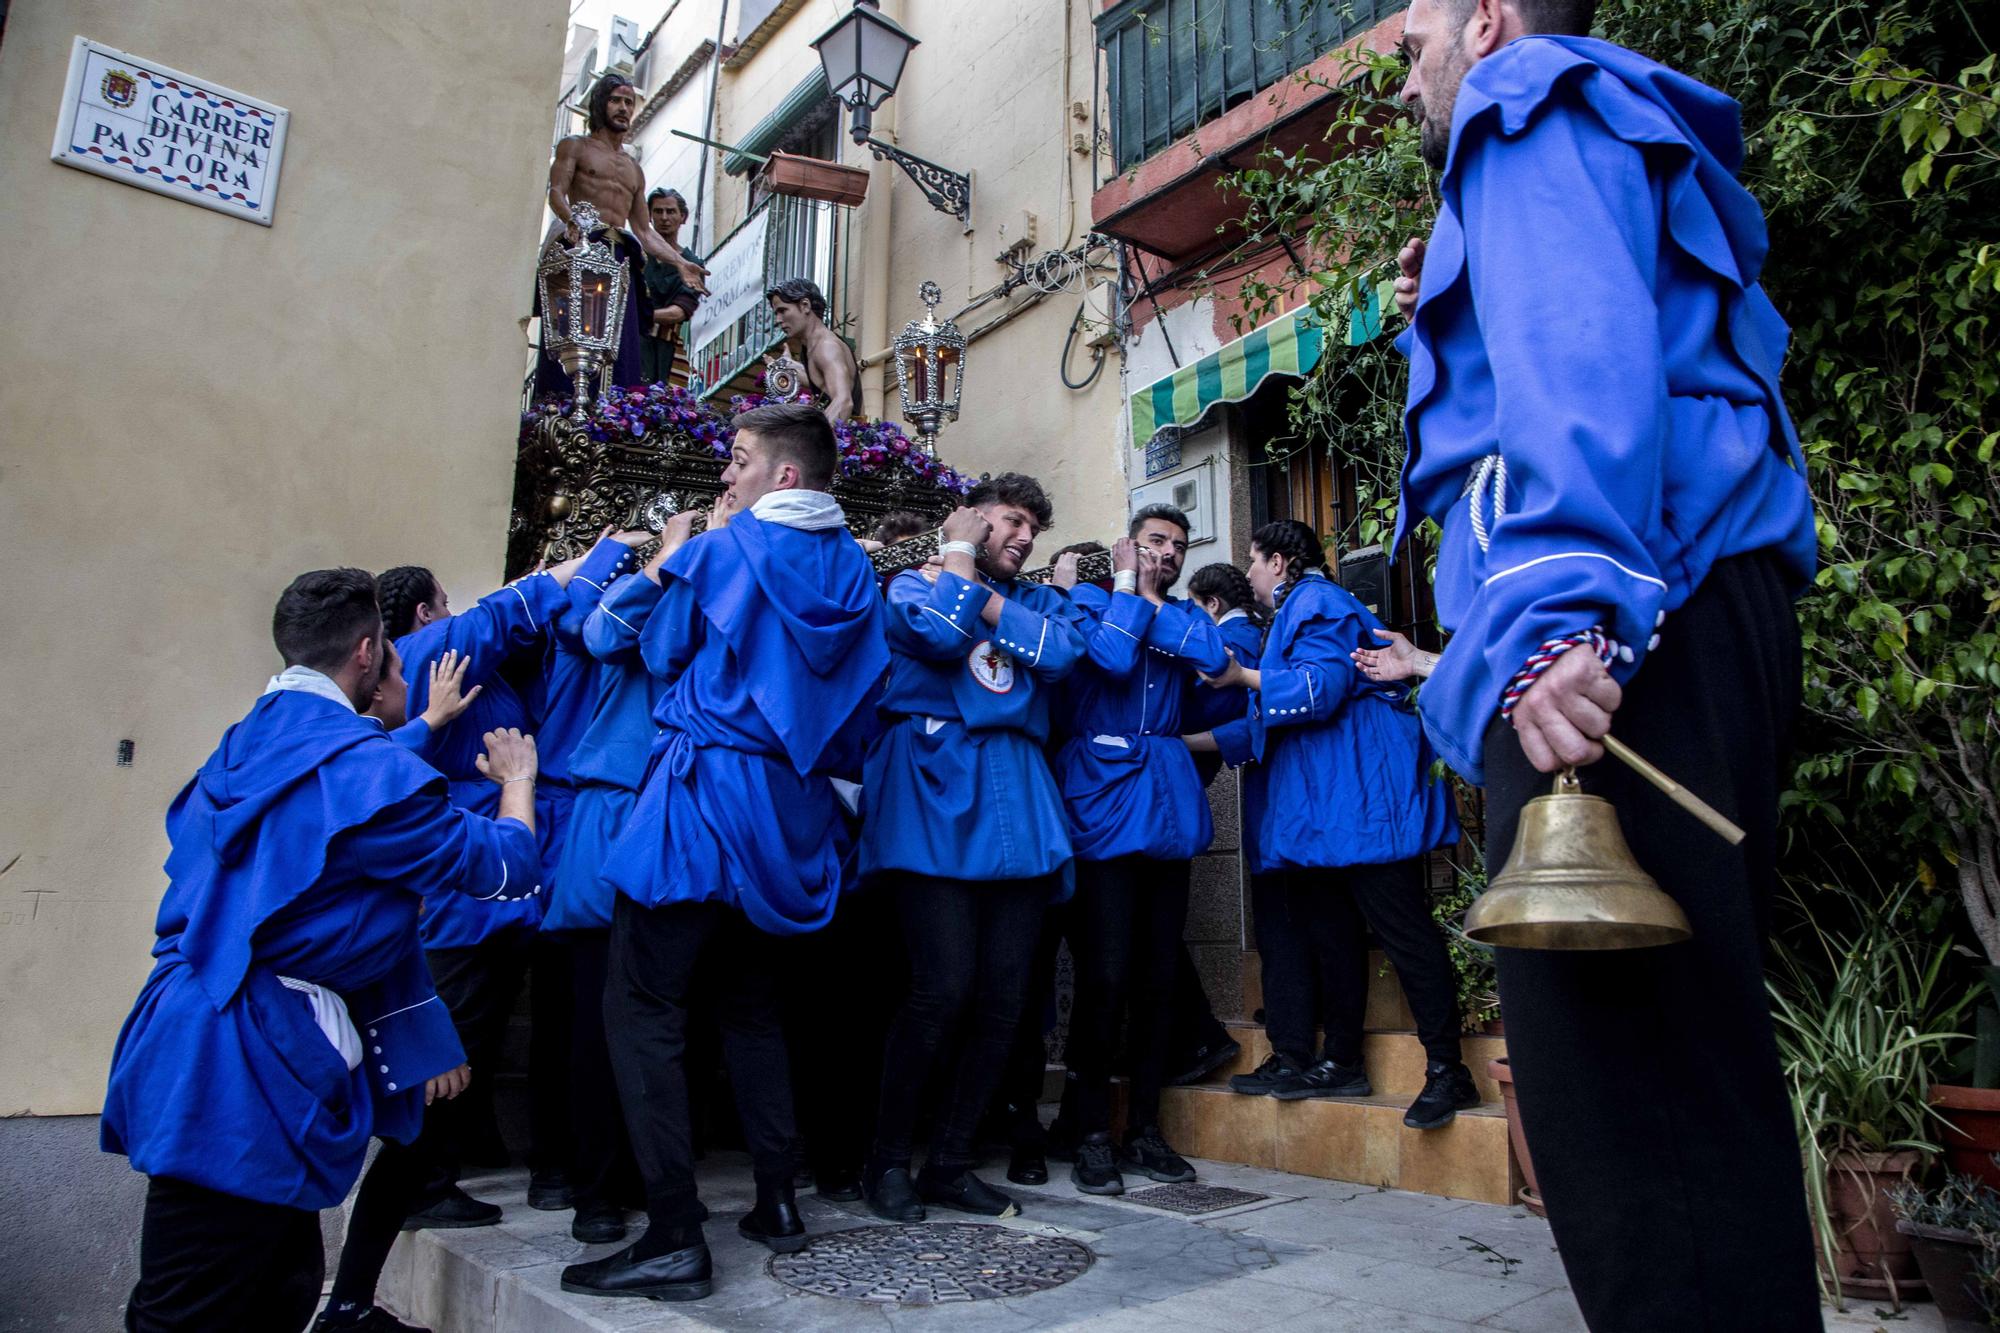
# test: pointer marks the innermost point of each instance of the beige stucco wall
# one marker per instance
(195, 408)
(983, 93)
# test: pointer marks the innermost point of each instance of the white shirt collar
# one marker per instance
(308, 681)
(809, 511)
(1233, 613)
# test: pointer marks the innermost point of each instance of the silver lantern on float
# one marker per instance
(583, 303)
(930, 369)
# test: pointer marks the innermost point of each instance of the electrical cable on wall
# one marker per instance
(1096, 353)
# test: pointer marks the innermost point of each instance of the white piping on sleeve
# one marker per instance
(1577, 555)
(527, 604)
(949, 621)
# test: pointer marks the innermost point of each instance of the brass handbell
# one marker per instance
(1572, 883)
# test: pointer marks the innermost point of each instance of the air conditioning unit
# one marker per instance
(625, 39)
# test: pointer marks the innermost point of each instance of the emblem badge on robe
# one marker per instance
(991, 667)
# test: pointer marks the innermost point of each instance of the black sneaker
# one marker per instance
(1148, 1154)
(1325, 1079)
(1448, 1089)
(372, 1320)
(1096, 1169)
(549, 1191)
(964, 1191)
(455, 1211)
(1204, 1060)
(597, 1223)
(1275, 1070)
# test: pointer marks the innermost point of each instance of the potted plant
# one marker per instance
(1471, 964)
(1862, 1021)
(1970, 1103)
(1531, 1194)
(1951, 1229)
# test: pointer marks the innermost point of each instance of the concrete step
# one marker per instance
(1362, 1139)
(1395, 1060)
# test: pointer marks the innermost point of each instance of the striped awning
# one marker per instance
(1289, 345)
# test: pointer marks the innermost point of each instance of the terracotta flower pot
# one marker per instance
(816, 178)
(1945, 1256)
(1871, 1257)
(1531, 1197)
(1972, 1131)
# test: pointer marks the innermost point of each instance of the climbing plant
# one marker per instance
(1873, 141)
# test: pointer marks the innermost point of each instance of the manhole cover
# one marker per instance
(1194, 1198)
(931, 1264)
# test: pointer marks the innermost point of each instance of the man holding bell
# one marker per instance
(1625, 524)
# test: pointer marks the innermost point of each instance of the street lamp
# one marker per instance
(930, 369)
(863, 56)
(583, 303)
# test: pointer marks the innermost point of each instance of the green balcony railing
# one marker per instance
(1175, 65)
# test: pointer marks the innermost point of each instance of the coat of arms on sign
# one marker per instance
(119, 88)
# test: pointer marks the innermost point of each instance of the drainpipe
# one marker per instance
(877, 389)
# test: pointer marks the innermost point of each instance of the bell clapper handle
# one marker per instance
(1567, 783)
(1676, 793)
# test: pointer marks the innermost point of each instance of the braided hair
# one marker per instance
(1300, 546)
(401, 591)
(1230, 586)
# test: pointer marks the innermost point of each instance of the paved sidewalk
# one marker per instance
(1313, 1255)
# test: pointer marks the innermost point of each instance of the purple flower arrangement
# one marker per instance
(867, 448)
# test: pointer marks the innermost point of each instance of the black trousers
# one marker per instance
(1126, 923)
(1018, 1099)
(841, 986)
(1194, 1023)
(602, 1170)
(480, 985)
(1648, 1078)
(971, 949)
(658, 954)
(210, 1261)
(1294, 1004)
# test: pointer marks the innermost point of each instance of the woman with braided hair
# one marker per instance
(1348, 810)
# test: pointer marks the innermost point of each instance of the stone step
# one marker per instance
(1362, 1139)
(1395, 1060)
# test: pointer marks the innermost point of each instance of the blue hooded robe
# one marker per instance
(768, 642)
(302, 849)
(500, 624)
(1346, 774)
(608, 765)
(957, 785)
(1225, 714)
(1590, 316)
(1130, 784)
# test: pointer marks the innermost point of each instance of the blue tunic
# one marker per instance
(302, 849)
(609, 763)
(957, 785)
(1347, 772)
(768, 641)
(1225, 714)
(1634, 403)
(498, 625)
(1130, 784)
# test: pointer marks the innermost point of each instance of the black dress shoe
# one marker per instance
(892, 1196)
(1448, 1089)
(549, 1191)
(949, 1187)
(373, 1320)
(1028, 1166)
(774, 1222)
(456, 1210)
(680, 1274)
(1275, 1070)
(1328, 1078)
(1096, 1169)
(596, 1223)
(841, 1186)
(1204, 1060)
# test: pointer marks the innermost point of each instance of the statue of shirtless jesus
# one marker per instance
(832, 372)
(595, 167)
